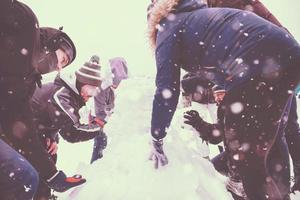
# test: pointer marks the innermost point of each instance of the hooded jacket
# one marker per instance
(231, 46)
(56, 107)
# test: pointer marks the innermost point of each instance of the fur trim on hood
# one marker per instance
(160, 10)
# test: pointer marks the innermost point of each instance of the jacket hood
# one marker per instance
(163, 8)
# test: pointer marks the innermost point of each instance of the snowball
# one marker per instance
(236, 107)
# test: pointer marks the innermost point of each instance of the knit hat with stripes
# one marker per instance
(89, 73)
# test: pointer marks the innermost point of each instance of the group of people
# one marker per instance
(249, 64)
(242, 49)
(33, 115)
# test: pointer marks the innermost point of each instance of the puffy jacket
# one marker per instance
(56, 107)
(231, 46)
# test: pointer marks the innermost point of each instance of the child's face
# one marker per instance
(88, 91)
(219, 96)
(62, 59)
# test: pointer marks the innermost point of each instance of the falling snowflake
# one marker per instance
(201, 43)
(11, 174)
(246, 34)
(27, 189)
(236, 107)
(159, 28)
(167, 94)
(256, 62)
(278, 167)
(57, 113)
(236, 157)
(24, 52)
(171, 17)
(216, 133)
(239, 60)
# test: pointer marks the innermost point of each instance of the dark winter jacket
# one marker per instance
(230, 45)
(104, 103)
(56, 107)
(19, 45)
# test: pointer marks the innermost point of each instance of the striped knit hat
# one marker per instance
(89, 73)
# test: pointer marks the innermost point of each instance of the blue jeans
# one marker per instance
(18, 179)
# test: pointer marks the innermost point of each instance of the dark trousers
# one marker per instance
(257, 150)
(18, 179)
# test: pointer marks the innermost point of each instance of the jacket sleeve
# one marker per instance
(100, 104)
(74, 133)
(66, 117)
(167, 86)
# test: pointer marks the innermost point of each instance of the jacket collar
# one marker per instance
(63, 81)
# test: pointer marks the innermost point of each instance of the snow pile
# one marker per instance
(125, 171)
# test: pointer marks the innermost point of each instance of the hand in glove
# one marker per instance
(61, 183)
(157, 154)
(193, 118)
(95, 120)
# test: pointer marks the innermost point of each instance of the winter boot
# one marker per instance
(236, 188)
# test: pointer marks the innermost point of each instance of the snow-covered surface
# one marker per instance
(125, 173)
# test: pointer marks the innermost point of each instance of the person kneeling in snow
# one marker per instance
(56, 106)
(214, 134)
(104, 104)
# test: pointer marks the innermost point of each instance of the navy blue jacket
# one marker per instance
(231, 46)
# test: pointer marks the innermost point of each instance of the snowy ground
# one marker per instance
(125, 173)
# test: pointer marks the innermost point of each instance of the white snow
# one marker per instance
(125, 173)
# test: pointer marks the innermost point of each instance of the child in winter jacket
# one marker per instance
(56, 108)
(255, 60)
(104, 104)
(214, 134)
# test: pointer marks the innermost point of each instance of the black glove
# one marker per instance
(61, 183)
(157, 154)
(193, 118)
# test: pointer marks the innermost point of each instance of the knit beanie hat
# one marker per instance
(218, 88)
(119, 69)
(89, 73)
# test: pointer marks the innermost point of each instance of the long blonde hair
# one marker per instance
(160, 10)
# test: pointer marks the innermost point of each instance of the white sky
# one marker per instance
(118, 28)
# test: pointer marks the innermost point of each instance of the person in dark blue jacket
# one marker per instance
(251, 57)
